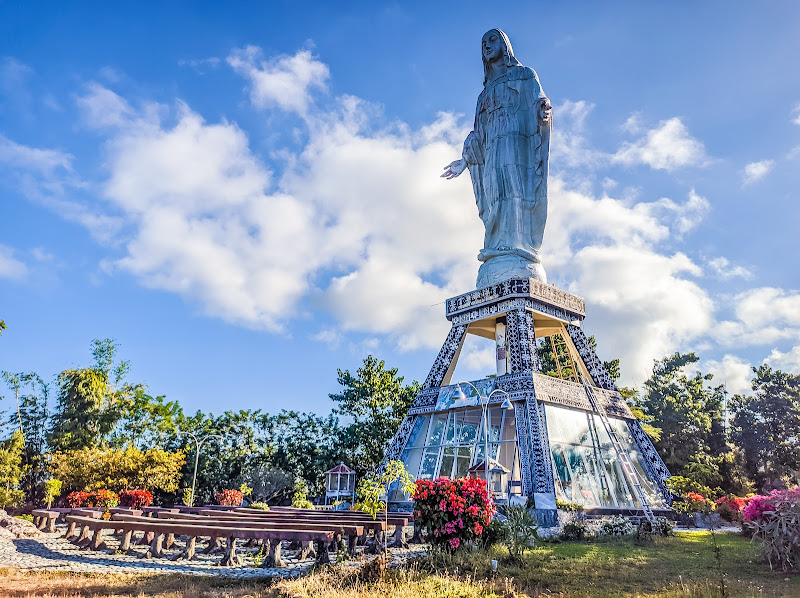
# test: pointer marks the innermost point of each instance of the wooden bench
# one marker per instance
(195, 529)
(87, 513)
(353, 530)
(397, 519)
(45, 520)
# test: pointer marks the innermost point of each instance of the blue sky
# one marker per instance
(246, 196)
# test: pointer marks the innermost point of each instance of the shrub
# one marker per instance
(25, 517)
(775, 522)
(300, 496)
(135, 499)
(494, 533)
(693, 502)
(77, 499)
(730, 507)
(259, 505)
(569, 507)
(229, 498)
(103, 498)
(452, 512)
(520, 531)
(616, 526)
(664, 527)
(52, 489)
(574, 529)
(11, 498)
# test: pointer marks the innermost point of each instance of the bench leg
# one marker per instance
(70, 530)
(147, 538)
(37, 521)
(125, 545)
(169, 541)
(399, 540)
(188, 552)
(308, 551)
(51, 525)
(214, 544)
(273, 558)
(231, 559)
(156, 547)
(352, 541)
(322, 553)
(97, 539)
(83, 539)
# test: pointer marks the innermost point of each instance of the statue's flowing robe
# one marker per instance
(508, 154)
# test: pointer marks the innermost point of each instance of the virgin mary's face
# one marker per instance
(492, 46)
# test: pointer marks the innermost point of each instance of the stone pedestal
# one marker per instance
(500, 268)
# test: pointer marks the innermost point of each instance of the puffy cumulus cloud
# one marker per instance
(788, 361)
(755, 171)
(764, 315)
(11, 267)
(570, 147)
(796, 115)
(284, 81)
(667, 147)
(731, 371)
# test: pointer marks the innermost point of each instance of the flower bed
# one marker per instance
(452, 512)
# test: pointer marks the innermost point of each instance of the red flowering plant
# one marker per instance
(730, 507)
(77, 499)
(135, 499)
(693, 502)
(450, 513)
(230, 498)
(103, 498)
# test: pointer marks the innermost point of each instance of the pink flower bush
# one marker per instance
(135, 499)
(452, 512)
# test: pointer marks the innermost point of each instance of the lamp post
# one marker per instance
(198, 443)
(506, 404)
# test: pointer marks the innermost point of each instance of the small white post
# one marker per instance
(500, 346)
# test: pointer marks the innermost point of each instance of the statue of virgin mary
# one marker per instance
(508, 154)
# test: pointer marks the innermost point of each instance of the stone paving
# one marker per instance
(52, 552)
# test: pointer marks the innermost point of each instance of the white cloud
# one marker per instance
(285, 81)
(755, 171)
(667, 147)
(731, 371)
(10, 267)
(787, 362)
(764, 316)
(569, 145)
(722, 267)
(43, 161)
(796, 115)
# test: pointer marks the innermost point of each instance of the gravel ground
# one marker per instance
(53, 552)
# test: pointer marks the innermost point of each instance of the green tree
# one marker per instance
(377, 401)
(766, 426)
(688, 415)
(91, 400)
(12, 470)
(547, 359)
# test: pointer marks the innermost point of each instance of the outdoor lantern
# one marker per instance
(340, 483)
(498, 476)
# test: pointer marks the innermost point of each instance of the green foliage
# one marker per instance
(117, 469)
(372, 490)
(25, 517)
(262, 506)
(574, 529)
(377, 401)
(766, 426)
(187, 497)
(570, 507)
(52, 489)
(245, 490)
(520, 531)
(12, 470)
(680, 485)
(300, 497)
(689, 416)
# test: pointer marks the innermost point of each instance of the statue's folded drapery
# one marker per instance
(507, 154)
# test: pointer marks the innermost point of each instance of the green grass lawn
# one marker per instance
(684, 565)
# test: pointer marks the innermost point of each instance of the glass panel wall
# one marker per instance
(447, 444)
(586, 469)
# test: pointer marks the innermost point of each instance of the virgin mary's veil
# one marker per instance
(508, 53)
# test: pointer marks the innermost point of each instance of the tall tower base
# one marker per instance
(552, 444)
